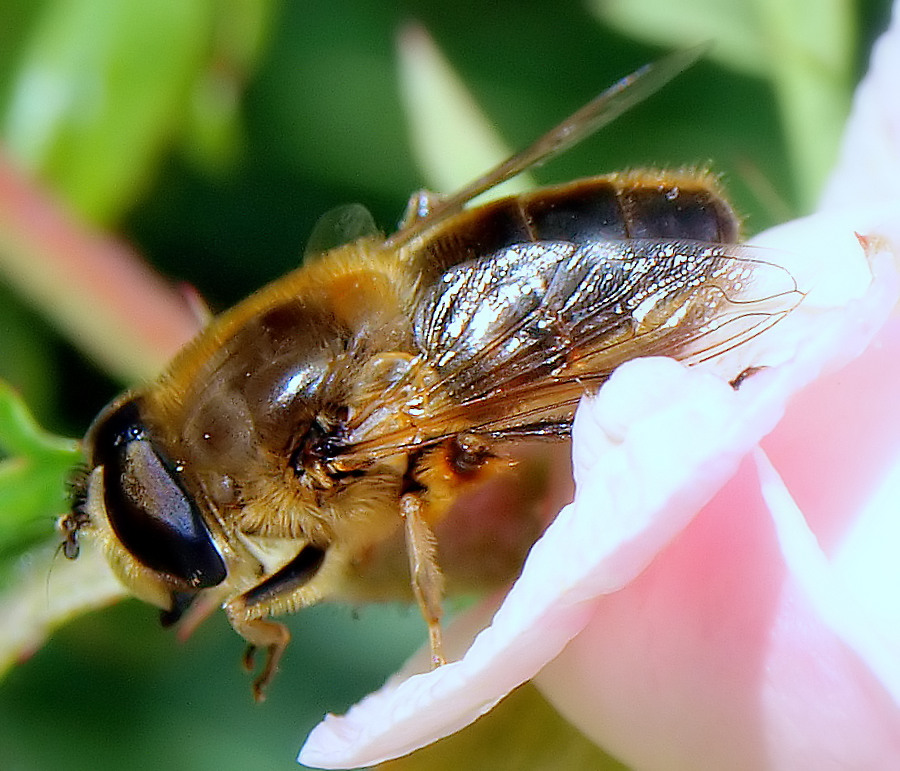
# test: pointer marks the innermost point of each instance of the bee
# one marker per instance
(351, 402)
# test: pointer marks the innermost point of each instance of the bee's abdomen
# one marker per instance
(632, 205)
(646, 204)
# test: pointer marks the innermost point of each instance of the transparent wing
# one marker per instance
(599, 112)
(338, 226)
(510, 342)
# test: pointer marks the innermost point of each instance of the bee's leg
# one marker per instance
(260, 633)
(426, 577)
(283, 591)
(749, 372)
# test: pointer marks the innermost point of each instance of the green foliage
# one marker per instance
(32, 476)
(102, 89)
(805, 48)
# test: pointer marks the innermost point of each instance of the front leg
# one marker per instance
(291, 587)
(425, 574)
(260, 633)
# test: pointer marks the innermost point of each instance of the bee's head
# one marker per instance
(133, 498)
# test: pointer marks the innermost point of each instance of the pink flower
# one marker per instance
(723, 591)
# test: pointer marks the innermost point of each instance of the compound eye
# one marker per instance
(150, 512)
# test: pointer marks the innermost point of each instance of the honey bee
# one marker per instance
(355, 399)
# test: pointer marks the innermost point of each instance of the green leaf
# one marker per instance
(100, 89)
(733, 26)
(33, 475)
(214, 132)
(810, 52)
(805, 48)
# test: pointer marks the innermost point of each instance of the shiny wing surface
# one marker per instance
(512, 341)
(517, 337)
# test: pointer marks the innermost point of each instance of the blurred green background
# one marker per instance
(232, 126)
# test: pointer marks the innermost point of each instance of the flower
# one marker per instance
(722, 590)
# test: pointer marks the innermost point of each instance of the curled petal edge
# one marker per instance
(832, 597)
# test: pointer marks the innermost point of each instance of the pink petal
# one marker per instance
(650, 450)
(716, 658)
(743, 645)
